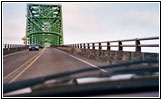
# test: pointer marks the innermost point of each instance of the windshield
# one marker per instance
(82, 49)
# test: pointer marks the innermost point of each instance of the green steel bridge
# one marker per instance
(44, 25)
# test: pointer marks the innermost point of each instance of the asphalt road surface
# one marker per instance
(32, 64)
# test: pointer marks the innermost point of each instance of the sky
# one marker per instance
(89, 22)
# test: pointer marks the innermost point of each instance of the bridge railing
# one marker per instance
(9, 48)
(119, 45)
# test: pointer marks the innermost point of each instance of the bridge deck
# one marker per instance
(31, 64)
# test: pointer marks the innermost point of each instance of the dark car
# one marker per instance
(34, 47)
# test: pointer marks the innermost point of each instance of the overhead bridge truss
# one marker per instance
(44, 24)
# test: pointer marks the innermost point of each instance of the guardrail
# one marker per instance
(120, 45)
(10, 48)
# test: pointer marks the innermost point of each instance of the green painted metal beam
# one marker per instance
(44, 24)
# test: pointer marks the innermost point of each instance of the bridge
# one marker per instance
(44, 26)
(63, 58)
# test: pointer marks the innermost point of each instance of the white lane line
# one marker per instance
(14, 53)
(88, 63)
(83, 61)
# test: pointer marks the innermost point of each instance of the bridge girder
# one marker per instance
(46, 20)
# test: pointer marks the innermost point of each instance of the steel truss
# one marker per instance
(44, 24)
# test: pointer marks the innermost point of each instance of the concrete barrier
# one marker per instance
(109, 56)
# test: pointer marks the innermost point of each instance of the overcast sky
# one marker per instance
(90, 22)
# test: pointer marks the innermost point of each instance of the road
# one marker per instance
(32, 64)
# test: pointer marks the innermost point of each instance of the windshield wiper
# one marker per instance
(35, 81)
(140, 85)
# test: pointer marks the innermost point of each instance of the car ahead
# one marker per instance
(34, 47)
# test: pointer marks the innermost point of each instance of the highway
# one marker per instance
(47, 61)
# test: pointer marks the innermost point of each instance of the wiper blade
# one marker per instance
(136, 85)
(35, 81)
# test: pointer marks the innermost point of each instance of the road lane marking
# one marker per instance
(88, 63)
(14, 53)
(17, 68)
(13, 79)
(83, 61)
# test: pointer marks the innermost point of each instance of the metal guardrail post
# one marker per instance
(119, 46)
(108, 44)
(84, 46)
(100, 47)
(8, 47)
(5, 46)
(93, 46)
(81, 46)
(78, 45)
(88, 46)
(138, 48)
